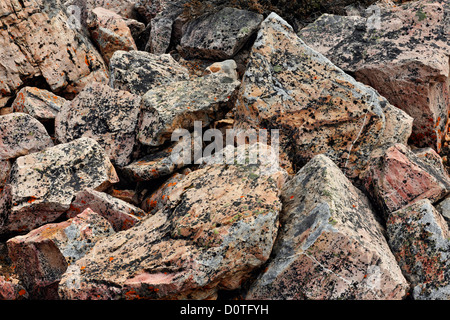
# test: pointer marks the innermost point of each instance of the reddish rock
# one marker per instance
(43, 255)
(11, 289)
(120, 214)
(121, 7)
(397, 177)
(5, 168)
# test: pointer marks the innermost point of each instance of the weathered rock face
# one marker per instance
(220, 35)
(330, 244)
(140, 71)
(121, 7)
(219, 225)
(120, 214)
(107, 115)
(110, 32)
(227, 67)
(21, 134)
(42, 256)
(36, 40)
(179, 104)
(402, 52)
(396, 176)
(38, 103)
(5, 168)
(418, 236)
(317, 107)
(42, 184)
(11, 289)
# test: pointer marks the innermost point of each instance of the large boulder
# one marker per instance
(42, 185)
(400, 51)
(318, 108)
(140, 71)
(219, 225)
(330, 244)
(43, 255)
(38, 41)
(109, 116)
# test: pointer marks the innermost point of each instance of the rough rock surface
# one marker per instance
(125, 8)
(419, 238)
(37, 41)
(140, 71)
(38, 103)
(179, 104)
(21, 134)
(317, 107)
(330, 244)
(107, 115)
(5, 168)
(219, 225)
(42, 184)
(120, 214)
(220, 35)
(403, 55)
(110, 32)
(228, 67)
(396, 176)
(42, 256)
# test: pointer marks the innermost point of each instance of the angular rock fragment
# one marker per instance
(21, 134)
(43, 255)
(419, 239)
(179, 104)
(121, 7)
(107, 115)
(11, 289)
(330, 244)
(110, 32)
(140, 71)
(120, 214)
(400, 51)
(318, 108)
(227, 67)
(219, 225)
(38, 103)
(396, 177)
(220, 35)
(42, 185)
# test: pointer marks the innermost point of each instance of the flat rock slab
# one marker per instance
(21, 134)
(119, 213)
(330, 245)
(220, 35)
(317, 107)
(43, 255)
(109, 116)
(42, 185)
(140, 71)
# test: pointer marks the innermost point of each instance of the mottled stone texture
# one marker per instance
(140, 71)
(219, 224)
(42, 184)
(42, 256)
(318, 108)
(109, 116)
(36, 40)
(220, 35)
(330, 244)
(419, 239)
(400, 51)
(396, 176)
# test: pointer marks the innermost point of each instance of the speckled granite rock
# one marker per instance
(318, 108)
(11, 289)
(125, 8)
(219, 225)
(178, 104)
(396, 176)
(120, 214)
(228, 67)
(5, 168)
(419, 238)
(38, 103)
(405, 58)
(21, 134)
(220, 35)
(330, 244)
(42, 184)
(42, 256)
(140, 71)
(36, 40)
(110, 32)
(107, 115)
